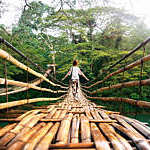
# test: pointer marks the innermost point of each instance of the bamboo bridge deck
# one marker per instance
(74, 124)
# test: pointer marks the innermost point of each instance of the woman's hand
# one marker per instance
(87, 79)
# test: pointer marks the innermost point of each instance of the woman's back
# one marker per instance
(75, 72)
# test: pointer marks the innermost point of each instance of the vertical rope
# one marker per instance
(6, 85)
(140, 85)
(27, 79)
(113, 82)
(121, 91)
(41, 90)
(141, 75)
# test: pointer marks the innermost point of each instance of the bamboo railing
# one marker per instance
(28, 85)
(138, 103)
(34, 82)
(5, 55)
(123, 85)
(128, 67)
(27, 101)
(74, 124)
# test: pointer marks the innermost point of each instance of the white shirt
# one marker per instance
(75, 71)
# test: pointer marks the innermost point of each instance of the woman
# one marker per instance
(75, 71)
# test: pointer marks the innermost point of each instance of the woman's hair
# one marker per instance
(75, 63)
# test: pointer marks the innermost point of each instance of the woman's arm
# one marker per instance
(66, 75)
(81, 73)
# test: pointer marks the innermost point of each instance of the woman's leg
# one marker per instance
(77, 85)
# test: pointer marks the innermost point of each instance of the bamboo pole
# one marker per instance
(62, 136)
(75, 129)
(46, 141)
(131, 52)
(85, 130)
(23, 139)
(19, 52)
(96, 115)
(99, 140)
(37, 137)
(102, 121)
(138, 103)
(5, 55)
(128, 67)
(6, 129)
(112, 136)
(123, 85)
(12, 134)
(42, 120)
(26, 101)
(72, 145)
(35, 82)
(145, 130)
(104, 115)
(28, 113)
(28, 85)
(139, 140)
(26, 128)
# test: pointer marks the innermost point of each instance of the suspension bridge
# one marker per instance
(69, 123)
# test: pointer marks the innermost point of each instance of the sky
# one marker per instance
(140, 8)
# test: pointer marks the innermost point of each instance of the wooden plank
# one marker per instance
(6, 129)
(99, 139)
(102, 121)
(111, 135)
(139, 141)
(44, 144)
(62, 136)
(26, 128)
(10, 135)
(75, 129)
(72, 145)
(139, 127)
(32, 143)
(22, 140)
(85, 130)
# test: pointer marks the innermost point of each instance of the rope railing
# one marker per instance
(8, 57)
(128, 67)
(28, 86)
